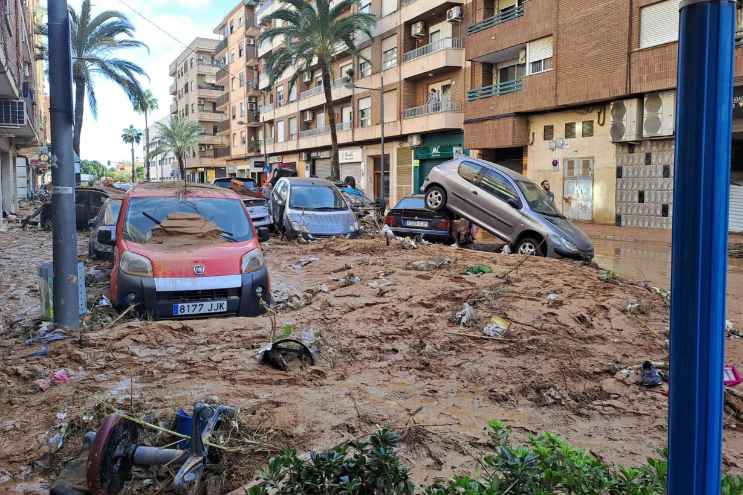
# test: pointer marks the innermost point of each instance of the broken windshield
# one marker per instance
(206, 218)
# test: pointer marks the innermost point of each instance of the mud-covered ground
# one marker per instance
(389, 354)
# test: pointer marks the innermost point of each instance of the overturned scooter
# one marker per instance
(115, 452)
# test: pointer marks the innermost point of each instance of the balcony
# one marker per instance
(210, 92)
(207, 69)
(411, 10)
(221, 46)
(445, 115)
(499, 18)
(441, 55)
(264, 109)
(210, 116)
(210, 139)
(252, 119)
(316, 96)
(223, 126)
(251, 55)
(498, 89)
(173, 89)
(222, 74)
(222, 152)
(223, 100)
(317, 90)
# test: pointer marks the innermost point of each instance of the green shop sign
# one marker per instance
(445, 151)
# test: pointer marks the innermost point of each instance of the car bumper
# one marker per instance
(438, 235)
(559, 252)
(241, 301)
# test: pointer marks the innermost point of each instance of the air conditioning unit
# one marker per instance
(626, 120)
(250, 41)
(12, 113)
(308, 115)
(415, 140)
(418, 30)
(307, 77)
(454, 14)
(659, 114)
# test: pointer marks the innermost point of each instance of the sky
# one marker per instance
(184, 20)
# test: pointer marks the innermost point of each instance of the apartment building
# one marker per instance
(582, 94)
(162, 167)
(416, 48)
(22, 102)
(195, 93)
(238, 74)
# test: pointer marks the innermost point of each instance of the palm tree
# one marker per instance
(144, 105)
(312, 32)
(95, 41)
(180, 137)
(132, 136)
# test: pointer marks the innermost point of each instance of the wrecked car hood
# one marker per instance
(217, 259)
(570, 232)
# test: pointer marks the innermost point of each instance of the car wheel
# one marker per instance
(436, 198)
(529, 246)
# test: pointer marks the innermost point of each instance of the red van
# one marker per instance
(185, 251)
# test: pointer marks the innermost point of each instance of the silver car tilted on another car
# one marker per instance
(312, 208)
(506, 204)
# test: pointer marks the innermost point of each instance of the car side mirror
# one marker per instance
(107, 236)
(514, 203)
(263, 234)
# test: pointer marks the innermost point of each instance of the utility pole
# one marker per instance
(381, 129)
(66, 303)
(700, 233)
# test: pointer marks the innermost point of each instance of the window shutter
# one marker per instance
(390, 106)
(365, 103)
(659, 23)
(388, 7)
(389, 43)
(540, 49)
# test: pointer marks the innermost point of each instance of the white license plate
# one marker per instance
(416, 223)
(199, 308)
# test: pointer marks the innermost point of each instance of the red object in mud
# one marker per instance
(731, 376)
(108, 469)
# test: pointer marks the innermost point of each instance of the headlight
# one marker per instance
(566, 244)
(252, 261)
(135, 264)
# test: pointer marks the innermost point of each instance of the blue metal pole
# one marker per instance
(700, 232)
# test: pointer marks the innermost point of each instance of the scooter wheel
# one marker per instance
(109, 462)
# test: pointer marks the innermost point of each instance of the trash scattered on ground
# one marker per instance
(408, 243)
(60, 377)
(104, 302)
(497, 327)
(429, 265)
(381, 283)
(731, 376)
(304, 261)
(43, 352)
(278, 354)
(649, 375)
(46, 334)
(344, 268)
(349, 280)
(466, 316)
(478, 270)
(388, 234)
(506, 249)
(553, 299)
(282, 298)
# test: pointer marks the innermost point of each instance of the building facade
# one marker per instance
(195, 93)
(23, 106)
(163, 167)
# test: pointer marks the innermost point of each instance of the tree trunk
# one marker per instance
(134, 169)
(181, 168)
(330, 110)
(79, 110)
(146, 146)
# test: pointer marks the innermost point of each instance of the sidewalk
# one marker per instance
(634, 234)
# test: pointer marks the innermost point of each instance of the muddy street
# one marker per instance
(390, 351)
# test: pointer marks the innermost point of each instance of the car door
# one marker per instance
(501, 202)
(463, 192)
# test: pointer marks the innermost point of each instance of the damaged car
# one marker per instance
(311, 207)
(187, 251)
(506, 204)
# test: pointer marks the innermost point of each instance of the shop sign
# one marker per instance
(258, 164)
(350, 155)
(443, 151)
(274, 159)
(320, 155)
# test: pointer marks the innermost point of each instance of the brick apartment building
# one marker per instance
(23, 104)
(195, 93)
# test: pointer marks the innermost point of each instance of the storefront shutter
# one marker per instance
(323, 168)
(659, 23)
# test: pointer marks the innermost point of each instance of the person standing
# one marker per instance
(546, 186)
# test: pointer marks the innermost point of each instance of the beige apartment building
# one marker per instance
(195, 94)
(416, 47)
(238, 74)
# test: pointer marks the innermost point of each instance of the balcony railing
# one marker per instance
(221, 45)
(499, 89)
(265, 108)
(499, 18)
(430, 48)
(315, 132)
(223, 126)
(431, 108)
(254, 146)
(344, 126)
(222, 73)
(311, 92)
(223, 99)
(222, 152)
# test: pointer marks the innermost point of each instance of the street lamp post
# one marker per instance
(348, 83)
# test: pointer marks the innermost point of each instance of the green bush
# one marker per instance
(545, 464)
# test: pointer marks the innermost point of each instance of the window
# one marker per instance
(344, 69)
(365, 112)
(292, 128)
(390, 106)
(215, 130)
(240, 51)
(280, 131)
(388, 7)
(293, 92)
(234, 112)
(232, 57)
(470, 172)
(347, 117)
(279, 96)
(243, 138)
(389, 52)
(193, 108)
(242, 79)
(365, 67)
(587, 128)
(659, 23)
(365, 6)
(232, 27)
(242, 110)
(320, 119)
(549, 132)
(497, 185)
(539, 55)
(570, 130)
(234, 83)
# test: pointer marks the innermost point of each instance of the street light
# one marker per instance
(348, 83)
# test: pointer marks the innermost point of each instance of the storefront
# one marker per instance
(436, 149)
(350, 160)
(318, 164)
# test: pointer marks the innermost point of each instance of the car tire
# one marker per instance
(436, 198)
(529, 246)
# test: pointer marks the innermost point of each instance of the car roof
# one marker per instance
(173, 189)
(499, 168)
(307, 181)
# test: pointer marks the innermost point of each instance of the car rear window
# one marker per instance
(316, 197)
(411, 204)
(205, 218)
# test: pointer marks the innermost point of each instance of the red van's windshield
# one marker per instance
(149, 219)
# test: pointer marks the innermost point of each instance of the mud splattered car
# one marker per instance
(186, 251)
